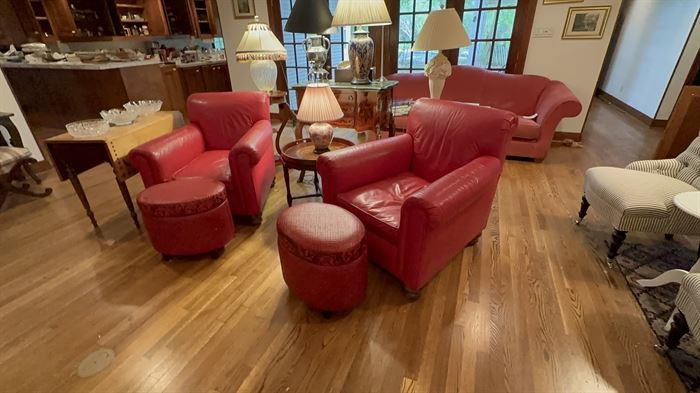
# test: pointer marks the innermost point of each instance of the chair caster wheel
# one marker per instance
(327, 314)
(411, 295)
(166, 257)
(610, 262)
(578, 221)
(217, 253)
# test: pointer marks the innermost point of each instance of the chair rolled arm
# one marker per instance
(355, 166)
(667, 167)
(253, 144)
(158, 160)
(453, 193)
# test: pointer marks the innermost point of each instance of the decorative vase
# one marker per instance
(361, 53)
(317, 53)
(438, 69)
(264, 74)
(436, 85)
(321, 135)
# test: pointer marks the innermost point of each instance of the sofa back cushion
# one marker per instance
(225, 117)
(410, 87)
(447, 135)
(466, 84)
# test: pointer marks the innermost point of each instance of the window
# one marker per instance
(297, 66)
(488, 22)
(490, 27)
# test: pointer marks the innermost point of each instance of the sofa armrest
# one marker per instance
(158, 160)
(667, 167)
(253, 144)
(352, 167)
(453, 193)
(555, 103)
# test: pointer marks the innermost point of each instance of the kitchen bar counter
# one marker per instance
(66, 65)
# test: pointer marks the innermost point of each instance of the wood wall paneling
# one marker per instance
(683, 125)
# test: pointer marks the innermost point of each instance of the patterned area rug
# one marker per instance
(648, 261)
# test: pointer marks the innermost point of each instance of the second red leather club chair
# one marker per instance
(229, 139)
(424, 195)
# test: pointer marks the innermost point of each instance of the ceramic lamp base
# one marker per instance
(438, 69)
(321, 135)
(264, 74)
(361, 54)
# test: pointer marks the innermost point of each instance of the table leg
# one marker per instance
(302, 174)
(316, 182)
(81, 195)
(128, 201)
(286, 183)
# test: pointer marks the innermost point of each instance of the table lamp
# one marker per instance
(312, 17)
(361, 50)
(318, 106)
(442, 30)
(261, 48)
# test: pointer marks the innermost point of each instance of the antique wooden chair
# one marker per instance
(15, 164)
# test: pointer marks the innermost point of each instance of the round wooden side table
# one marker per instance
(300, 155)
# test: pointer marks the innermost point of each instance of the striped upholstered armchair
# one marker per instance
(640, 197)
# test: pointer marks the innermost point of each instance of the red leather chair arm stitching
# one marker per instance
(157, 160)
(453, 193)
(359, 165)
(555, 103)
(253, 143)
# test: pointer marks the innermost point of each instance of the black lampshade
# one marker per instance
(310, 17)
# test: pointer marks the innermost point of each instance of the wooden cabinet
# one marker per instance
(37, 19)
(176, 99)
(192, 80)
(216, 77)
(182, 82)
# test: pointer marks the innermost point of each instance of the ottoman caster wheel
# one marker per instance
(327, 314)
(411, 295)
(166, 257)
(216, 253)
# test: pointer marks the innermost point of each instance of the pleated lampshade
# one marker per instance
(259, 43)
(361, 12)
(319, 104)
(442, 30)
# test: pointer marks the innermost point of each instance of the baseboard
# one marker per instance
(574, 136)
(625, 108)
(658, 123)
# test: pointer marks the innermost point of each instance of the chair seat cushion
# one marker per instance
(527, 129)
(212, 164)
(10, 155)
(635, 200)
(378, 205)
(182, 197)
(321, 234)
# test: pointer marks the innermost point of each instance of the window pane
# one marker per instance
(285, 8)
(504, 29)
(500, 54)
(466, 55)
(336, 54)
(437, 5)
(405, 28)
(301, 55)
(404, 56)
(487, 24)
(406, 6)
(483, 53)
(509, 3)
(418, 24)
(418, 60)
(489, 3)
(468, 4)
(422, 5)
(469, 22)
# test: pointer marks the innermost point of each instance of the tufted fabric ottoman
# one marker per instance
(323, 255)
(187, 217)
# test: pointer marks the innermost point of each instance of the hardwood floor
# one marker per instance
(531, 307)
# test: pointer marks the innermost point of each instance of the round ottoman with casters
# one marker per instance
(187, 217)
(323, 255)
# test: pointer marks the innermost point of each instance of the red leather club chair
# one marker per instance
(424, 195)
(229, 139)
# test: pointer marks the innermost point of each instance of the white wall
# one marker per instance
(682, 70)
(577, 63)
(9, 104)
(651, 40)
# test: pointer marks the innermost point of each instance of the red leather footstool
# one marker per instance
(323, 255)
(187, 217)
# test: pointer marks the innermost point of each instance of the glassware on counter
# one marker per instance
(119, 117)
(143, 107)
(87, 128)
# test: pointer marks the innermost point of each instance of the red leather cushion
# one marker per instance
(527, 129)
(321, 234)
(466, 84)
(182, 197)
(212, 164)
(411, 86)
(515, 93)
(378, 204)
(224, 117)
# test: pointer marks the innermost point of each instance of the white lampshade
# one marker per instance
(361, 12)
(319, 104)
(259, 43)
(442, 30)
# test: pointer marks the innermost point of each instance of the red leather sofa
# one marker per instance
(524, 95)
(423, 195)
(229, 139)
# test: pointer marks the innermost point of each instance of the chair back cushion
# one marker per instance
(447, 135)
(690, 158)
(224, 117)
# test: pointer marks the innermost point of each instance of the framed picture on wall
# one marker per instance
(586, 22)
(243, 9)
(546, 2)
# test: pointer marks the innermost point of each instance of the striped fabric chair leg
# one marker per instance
(618, 237)
(584, 209)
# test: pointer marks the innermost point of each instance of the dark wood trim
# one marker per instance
(574, 136)
(624, 107)
(275, 23)
(520, 41)
(694, 70)
(41, 166)
(658, 123)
